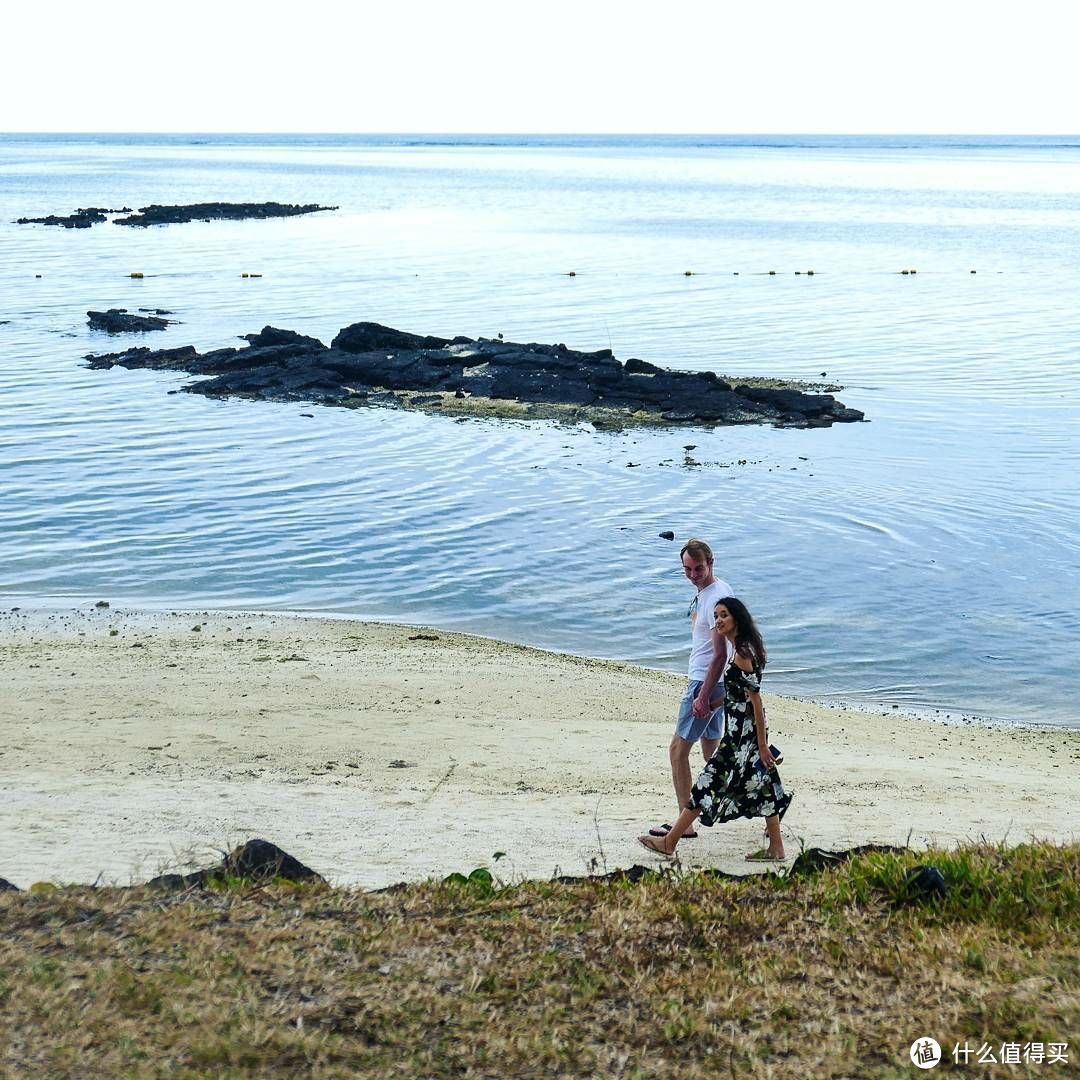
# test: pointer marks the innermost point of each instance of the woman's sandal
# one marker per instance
(649, 844)
(763, 855)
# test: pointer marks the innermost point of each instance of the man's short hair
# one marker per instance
(697, 549)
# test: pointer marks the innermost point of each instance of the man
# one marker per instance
(697, 563)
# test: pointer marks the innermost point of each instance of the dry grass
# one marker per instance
(833, 974)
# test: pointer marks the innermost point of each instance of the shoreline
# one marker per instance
(39, 614)
(377, 753)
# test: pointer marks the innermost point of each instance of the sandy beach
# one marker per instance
(134, 742)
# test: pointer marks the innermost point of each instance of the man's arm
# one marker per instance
(702, 706)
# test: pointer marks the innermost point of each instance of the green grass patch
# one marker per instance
(834, 973)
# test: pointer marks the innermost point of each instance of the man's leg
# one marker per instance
(679, 754)
(708, 747)
(688, 729)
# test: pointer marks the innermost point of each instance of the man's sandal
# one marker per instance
(663, 830)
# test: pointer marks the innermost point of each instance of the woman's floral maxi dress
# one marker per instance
(734, 783)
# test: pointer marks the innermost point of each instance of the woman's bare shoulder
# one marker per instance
(743, 660)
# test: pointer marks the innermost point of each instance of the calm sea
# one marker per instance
(926, 559)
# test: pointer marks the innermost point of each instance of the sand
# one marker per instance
(132, 743)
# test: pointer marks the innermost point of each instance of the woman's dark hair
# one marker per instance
(748, 639)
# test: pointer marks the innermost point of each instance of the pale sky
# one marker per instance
(792, 66)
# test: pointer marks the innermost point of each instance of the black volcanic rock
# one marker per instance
(519, 385)
(81, 219)
(180, 359)
(365, 337)
(634, 366)
(173, 215)
(367, 362)
(118, 321)
(257, 860)
(215, 211)
(271, 335)
(814, 860)
(790, 400)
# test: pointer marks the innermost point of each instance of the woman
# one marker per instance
(740, 779)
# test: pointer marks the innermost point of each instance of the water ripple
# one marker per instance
(926, 559)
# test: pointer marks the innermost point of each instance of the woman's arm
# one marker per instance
(759, 726)
(744, 663)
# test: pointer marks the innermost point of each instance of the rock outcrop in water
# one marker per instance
(119, 321)
(171, 215)
(371, 364)
(216, 211)
(81, 219)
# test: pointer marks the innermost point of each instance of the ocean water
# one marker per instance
(926, 559)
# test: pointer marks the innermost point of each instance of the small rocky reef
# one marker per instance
(83, 218)
(371, 364)
(121, 321)
(173, 215)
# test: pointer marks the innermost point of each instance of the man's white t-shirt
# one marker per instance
(702, 621)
